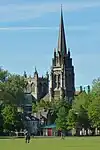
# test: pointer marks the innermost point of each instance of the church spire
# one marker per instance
(35, 72)
(61, 38)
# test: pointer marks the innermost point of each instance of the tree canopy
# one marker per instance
(11, 96)
(83, 113)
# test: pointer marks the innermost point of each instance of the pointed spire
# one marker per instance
(25, 74)
(35, 70)
(61, 38)
(36, 73)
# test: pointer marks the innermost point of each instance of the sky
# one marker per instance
(29, 34)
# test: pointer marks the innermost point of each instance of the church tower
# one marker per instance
(62, 70)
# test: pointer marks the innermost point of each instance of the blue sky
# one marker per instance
(29, 33)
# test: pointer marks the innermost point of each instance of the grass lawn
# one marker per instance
(70, 143)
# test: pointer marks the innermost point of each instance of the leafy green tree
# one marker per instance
(9, 114)
(62, 108)
(83, 99)
(72, 119)
(79, 119)
(83, 119)
(54, 107)
(96, 87)
(11, 96)
(44, 105)
(57, 104)
(12, 90)
(61, 121)
(1, 118)
(94, 106)
(78, 115)
(94, 113)
(19, 124)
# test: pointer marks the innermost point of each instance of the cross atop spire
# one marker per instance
(61, 38)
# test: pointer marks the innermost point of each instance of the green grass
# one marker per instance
(70, 143)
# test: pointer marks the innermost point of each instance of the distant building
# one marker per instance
(60, 82)
(37, 86)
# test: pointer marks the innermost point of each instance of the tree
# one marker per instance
(1, 118)
(78, 115)
(96, 87)
(57, 104)
(9, 114)
(83, 119)
(19, 124)
(94, 113)
(83, 99)
(72, 119)
(12, 90)
(53, 108)
(11, 96)
(94, 107)
(61, 121)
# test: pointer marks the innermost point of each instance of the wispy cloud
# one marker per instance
(69, 28)
(24, 11)
(27, 28)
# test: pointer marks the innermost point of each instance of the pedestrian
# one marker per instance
(27, 137)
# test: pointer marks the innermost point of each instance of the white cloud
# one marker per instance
(91, 27)
(24, 11)
(27, 28)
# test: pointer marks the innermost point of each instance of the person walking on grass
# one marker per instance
(27, 137)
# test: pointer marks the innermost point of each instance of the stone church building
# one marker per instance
(60, 82)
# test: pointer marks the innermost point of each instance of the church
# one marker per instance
(60, 83)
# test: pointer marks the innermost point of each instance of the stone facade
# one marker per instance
(62, 70)
(37, 86)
